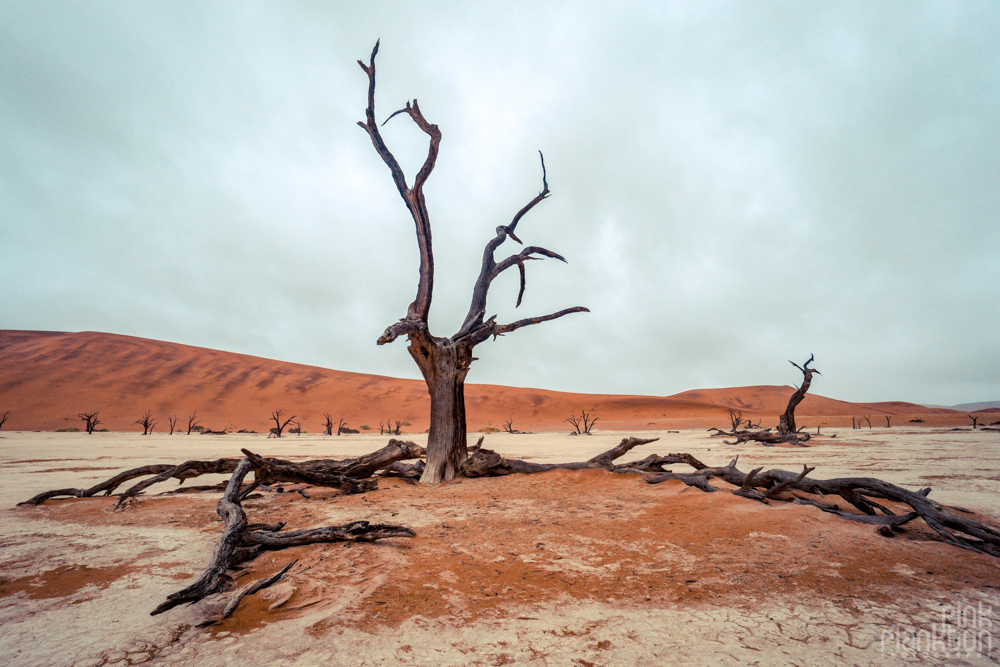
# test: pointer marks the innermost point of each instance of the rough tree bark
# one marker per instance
(444, 362)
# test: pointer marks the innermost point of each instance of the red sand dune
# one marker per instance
(46, 378)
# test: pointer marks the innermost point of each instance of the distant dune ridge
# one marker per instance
(47, 378)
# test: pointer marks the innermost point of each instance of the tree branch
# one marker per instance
(414, 198)
(501, 329)
(490, 269)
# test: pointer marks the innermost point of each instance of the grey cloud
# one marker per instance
(735, 184)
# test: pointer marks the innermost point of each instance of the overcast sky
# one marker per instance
(734, 184)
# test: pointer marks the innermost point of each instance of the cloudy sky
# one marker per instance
(735, 184)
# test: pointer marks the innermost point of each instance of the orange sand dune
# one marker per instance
(46, 378)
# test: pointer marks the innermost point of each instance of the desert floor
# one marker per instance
(559, 568)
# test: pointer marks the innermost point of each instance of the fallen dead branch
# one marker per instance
(242, 542)
(347, 475)
(857, 491)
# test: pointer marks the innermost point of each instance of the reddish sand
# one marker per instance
(47, 378)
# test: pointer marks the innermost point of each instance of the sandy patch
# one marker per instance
(565, 567)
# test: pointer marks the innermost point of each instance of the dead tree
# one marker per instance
(582, 424)
(736, 419)
(173, 423)
(91, 420)
(192, 421)
(279, 426)
(296, 428)
(390, 427)
(786, 424)
(3, 419)
(975, 420)
(146, 422)
(444, 362)
(342, 427)
(855, 422)
(867, 419)
(888, 421)
(327, 423)
(508, 426)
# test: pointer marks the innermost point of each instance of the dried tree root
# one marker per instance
(487, 463)
(858, 491)
(241, 541)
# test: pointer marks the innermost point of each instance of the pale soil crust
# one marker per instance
(565, 567)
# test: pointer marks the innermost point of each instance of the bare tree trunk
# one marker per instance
(786, 424)
(444, 371)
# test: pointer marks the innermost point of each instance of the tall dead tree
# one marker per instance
(173, 424)
(975, 420)
(444, 362)
(328, 424)
(90, 419)
(3, 419)
(146, 422)
(279, 425)
(786, 424)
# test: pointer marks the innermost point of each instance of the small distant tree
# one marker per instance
(328, 424)
(390, 427)
(3, 419)
(192, 422)
(296, 428)
(867, 419)
(146, 422)
(583, 423)
(736, 418)
(173, 423)
(975, 420)
(888, 421)
(508, 426)
(279, 426)
(341, 425)
(91, 420)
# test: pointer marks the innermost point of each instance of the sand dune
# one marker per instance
(46, 378)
